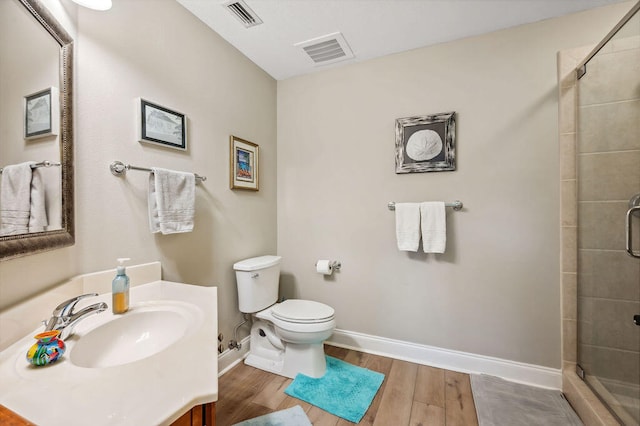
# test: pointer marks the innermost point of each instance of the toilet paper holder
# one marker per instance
(334, 264)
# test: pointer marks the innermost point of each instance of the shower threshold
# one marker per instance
(622, 398)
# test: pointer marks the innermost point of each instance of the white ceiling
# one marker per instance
(372, 28)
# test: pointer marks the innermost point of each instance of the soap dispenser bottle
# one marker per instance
(120, 289)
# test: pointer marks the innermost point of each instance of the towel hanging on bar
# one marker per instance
(171, 201)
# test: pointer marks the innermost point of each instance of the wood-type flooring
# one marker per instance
(411, 394)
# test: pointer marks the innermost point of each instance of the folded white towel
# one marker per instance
(38, 207)
(408, 226)
(15, 199)
(171, 201)
(434, 227)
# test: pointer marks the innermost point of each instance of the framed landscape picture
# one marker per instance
(243, 165)
(42, 113)
(161, 126)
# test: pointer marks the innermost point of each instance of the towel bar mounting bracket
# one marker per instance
(118, 168)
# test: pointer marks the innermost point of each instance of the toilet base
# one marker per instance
(267, 352)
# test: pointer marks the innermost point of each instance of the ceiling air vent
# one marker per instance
(243, 13)
(327, 49)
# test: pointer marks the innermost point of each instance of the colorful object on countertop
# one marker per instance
(47, 349)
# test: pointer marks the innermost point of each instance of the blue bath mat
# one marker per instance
(345, 390)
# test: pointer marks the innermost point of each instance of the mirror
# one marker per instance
(25, 59)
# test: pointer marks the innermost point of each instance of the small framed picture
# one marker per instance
(42, 113)
(161, 126)
(244, 164)
(426, 143)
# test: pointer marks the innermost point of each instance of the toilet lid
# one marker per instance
(297, 310)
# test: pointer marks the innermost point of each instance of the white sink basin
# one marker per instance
(147, 329)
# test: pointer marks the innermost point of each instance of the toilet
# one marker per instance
(287, 337)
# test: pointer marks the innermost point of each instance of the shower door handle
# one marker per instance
(629, 232)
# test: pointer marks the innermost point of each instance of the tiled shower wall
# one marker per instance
(608, 175)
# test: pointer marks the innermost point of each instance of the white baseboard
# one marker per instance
(229, 358)
(464, 362)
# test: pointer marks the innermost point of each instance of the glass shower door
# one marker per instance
(608, 160)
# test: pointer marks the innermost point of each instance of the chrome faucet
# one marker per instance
(64, 319)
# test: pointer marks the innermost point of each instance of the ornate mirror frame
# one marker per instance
(24, 244)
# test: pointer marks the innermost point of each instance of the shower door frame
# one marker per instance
(581, 68)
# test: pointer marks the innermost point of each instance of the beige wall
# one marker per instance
(158, 50)
(496, 291)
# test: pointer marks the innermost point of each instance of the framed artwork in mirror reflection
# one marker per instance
(42, 113)
(243, 165)
(161, 126)
(426, 143)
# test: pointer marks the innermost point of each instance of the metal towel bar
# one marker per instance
(457, 205)
(118, 168)
(45, 163)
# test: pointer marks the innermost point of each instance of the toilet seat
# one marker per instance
(302, 316)
(302, 311)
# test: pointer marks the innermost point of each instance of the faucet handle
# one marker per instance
(64, 309)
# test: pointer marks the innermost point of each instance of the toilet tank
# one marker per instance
(258, 280)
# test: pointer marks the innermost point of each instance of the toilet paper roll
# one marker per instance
(324, 267)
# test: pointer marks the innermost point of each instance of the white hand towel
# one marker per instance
(38, 207)
(434, 227)
(408, 226)
(15, 199)
(171, 201)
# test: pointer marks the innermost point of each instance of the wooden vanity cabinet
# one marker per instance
(200, 415)
(9, 418)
